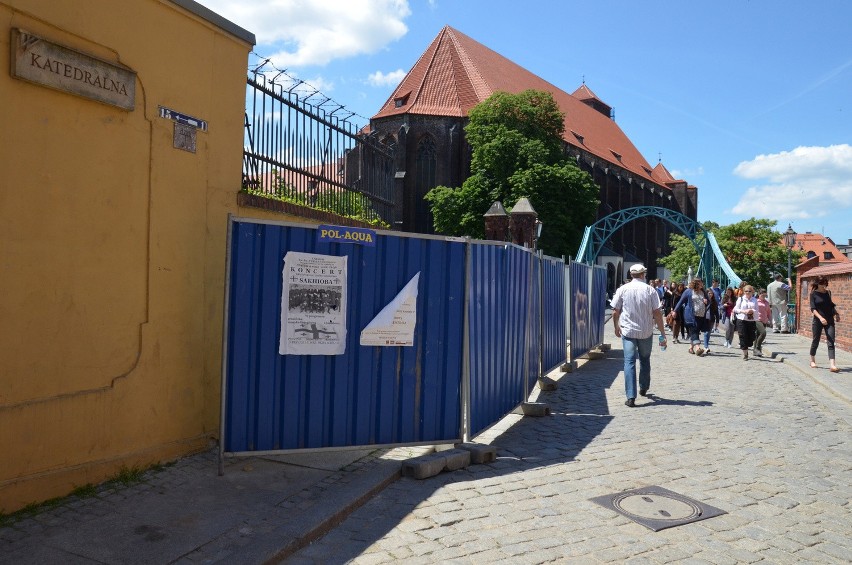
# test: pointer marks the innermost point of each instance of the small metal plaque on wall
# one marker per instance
(181, 118)
(185, 137)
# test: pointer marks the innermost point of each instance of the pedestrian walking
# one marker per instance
(694, 303)
(667, 302)
(712, 318)
(679, 328)
(717, 294)
(779, 295)
(764, 322)
(825, 314)
(661, 290)
(729, 300)
(635, 310)
(745, 312)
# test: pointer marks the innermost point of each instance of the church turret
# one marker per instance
(585, 95)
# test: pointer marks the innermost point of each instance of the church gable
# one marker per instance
(427, 112)
(456, 72)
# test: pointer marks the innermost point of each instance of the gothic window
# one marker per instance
(426, 164)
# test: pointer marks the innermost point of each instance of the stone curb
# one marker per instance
(432, 464)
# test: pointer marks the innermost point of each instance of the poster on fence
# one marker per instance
(313, 305)
(394, 325)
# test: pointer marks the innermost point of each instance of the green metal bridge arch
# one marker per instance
(712, 263)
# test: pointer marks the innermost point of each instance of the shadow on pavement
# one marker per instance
(659, 400)
(580, 412)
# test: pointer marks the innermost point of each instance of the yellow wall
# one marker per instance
(112, 246)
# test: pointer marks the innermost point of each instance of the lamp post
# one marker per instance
(538, 226)
(789, 242)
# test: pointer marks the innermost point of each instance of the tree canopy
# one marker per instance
(518, 152)
(752, 247)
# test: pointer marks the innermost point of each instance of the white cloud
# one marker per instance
(807, 182)
(687, 173)
(379, 78)
(314, 32)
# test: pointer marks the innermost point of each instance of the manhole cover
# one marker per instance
(657, 508)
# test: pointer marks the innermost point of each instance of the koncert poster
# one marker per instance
(313, 305)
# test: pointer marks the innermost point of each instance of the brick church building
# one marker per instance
(424, 119)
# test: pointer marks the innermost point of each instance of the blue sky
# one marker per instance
(749, 100)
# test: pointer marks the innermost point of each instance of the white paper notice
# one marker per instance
(395, 323)
(313, 305)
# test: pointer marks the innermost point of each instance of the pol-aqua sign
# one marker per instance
(345, 234)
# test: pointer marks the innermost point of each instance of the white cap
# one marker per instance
(637, 269)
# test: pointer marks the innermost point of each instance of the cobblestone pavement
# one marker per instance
(185, 513)
(751, 438)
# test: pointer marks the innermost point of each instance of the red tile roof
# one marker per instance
(455, 73)
(585, 93)
(829, 269)
(310, 180)
(819, 244)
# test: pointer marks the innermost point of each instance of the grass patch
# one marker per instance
(347, 205)
(31, 510)
(84, 491)
(126, 476)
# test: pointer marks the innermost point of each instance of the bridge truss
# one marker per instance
(712, 263)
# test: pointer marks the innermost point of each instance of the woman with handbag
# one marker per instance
(746, 316)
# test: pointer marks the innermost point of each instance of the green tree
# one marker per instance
(518, 152)
(683, 254)
(753, 249)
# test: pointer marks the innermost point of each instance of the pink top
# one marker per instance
(764, 311)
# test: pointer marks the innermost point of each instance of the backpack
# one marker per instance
(698, 304)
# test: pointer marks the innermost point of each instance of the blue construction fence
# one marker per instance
(490, 319)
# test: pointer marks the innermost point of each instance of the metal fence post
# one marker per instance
(540, 313)
(569, 318)
(464, 433)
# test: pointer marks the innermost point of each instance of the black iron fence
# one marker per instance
(301, 147)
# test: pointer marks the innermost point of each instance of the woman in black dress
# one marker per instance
(825, 314)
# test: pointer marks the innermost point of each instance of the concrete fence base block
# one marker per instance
(605, 346)
(568, 367)
(444, 447)
(535, 409)
(546, 383)
(456, 459)
(479, 453)
(424, 466)
(594, 355)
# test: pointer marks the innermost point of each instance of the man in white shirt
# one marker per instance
(635, 309)
(778, 293)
